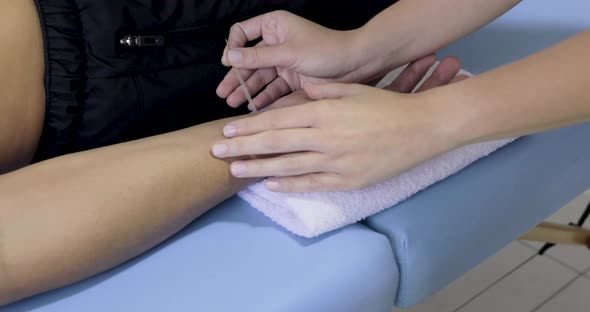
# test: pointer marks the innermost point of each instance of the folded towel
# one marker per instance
(313, 214)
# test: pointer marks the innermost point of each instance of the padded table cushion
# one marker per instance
(451, 227)
(235, 259)
(443, 232)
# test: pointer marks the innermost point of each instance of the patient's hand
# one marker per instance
(444, 74)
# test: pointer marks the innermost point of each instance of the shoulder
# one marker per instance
(22, 95)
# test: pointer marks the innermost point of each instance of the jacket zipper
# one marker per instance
(140, 40)
(133, 41)
(158, 40)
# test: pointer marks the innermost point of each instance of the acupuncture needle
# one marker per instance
(244, 87)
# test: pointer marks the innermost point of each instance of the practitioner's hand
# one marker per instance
(293, 52)
(352, 137)
(444, 73)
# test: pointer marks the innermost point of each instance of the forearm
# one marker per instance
(545, 91)
(414, 28)
(69, 218)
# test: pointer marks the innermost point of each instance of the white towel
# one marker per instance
(313, 214)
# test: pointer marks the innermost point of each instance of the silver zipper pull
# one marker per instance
(142, 41)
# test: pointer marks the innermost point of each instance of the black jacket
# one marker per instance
(101, 92)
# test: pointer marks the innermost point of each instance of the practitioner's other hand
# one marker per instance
(353, 136)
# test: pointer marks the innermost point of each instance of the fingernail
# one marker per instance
(223, 58)
(223, 61)
(234, 56)
(238, 169)
(272, 185)
(219, 150)
(229, 131)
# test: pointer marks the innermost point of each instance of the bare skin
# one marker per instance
(62, 220)
(71, 217)
(22, 106)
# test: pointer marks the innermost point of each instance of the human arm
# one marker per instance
(68, 218)
(295, 51)
(545, 91)
(356, 136)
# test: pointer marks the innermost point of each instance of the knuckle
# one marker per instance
(235, 27)
(270, 24)
(266, 96)
(286, 184)
(245, 126)
(291, 165)
(255, 168)
(252, 57)
(262, 100)
(257, 79)
(272, 143)
(272, 92)
(236, 147)
(256, 57)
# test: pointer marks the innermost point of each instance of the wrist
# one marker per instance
(452, 117)
(390, 47)
(373, 52)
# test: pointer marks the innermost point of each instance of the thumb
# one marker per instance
(331, 90)
(260, 57)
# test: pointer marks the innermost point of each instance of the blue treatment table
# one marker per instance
(234, 259)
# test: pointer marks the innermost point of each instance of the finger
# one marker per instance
(442, 75)
(301, 116)
(260, 57)
(332, 90)
(460, 78)
(249, 30)
(242, 33)
(270, 142)
(407, 81)
(258, 80)
(274, 91)
(230, 82)
(281, 166)
(295, 98)
(315, 182)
